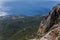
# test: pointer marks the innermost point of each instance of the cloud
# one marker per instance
(4, 9)
(3, 13)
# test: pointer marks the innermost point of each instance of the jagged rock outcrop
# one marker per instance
(52, 35)
(51, 25)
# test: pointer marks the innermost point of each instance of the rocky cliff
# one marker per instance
(50, 26)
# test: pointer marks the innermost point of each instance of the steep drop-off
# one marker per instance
(50, 26)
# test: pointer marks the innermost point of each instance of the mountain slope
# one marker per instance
(51, 25)
(16, 27)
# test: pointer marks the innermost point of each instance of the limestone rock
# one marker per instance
(51, 25)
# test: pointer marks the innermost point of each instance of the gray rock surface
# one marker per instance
(51, 25)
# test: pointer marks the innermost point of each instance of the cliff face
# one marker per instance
(51, 25)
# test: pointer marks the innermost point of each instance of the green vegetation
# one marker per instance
(19, 28)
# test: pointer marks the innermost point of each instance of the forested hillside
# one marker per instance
(18, 27)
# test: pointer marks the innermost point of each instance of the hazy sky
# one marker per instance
(26, 7)
(29, 0)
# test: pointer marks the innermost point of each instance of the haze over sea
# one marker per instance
(23, 7)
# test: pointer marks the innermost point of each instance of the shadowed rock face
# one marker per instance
(52, 35)
(50, 23)
(52, 18)
(58, 38)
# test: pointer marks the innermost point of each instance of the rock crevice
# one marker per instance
(51, 25)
